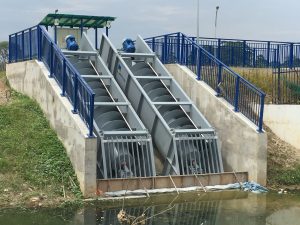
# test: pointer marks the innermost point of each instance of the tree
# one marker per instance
(235, 53)
(261, 62)
(295, 62)
(3, 54)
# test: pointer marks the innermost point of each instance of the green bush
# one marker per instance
(289, 176)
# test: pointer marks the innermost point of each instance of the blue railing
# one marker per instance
(282, 57)
(35, 43)
(252, 53)
(244, 96)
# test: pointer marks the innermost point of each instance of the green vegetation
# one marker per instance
(283, 164)
(264, 79)
(2, 75)
(286, 176)
(3, 54)
(33, 162)
(260, 77)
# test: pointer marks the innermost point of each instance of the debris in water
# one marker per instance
(281, 191)
(125, 218)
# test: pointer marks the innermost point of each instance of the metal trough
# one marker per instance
(180, 132)
(125, 146)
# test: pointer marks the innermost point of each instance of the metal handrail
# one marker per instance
(179, 45)
(54, 51)
(241, 40)
(229, 39)
(223, 65)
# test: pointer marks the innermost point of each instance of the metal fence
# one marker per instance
(251, 53)
(244, 96)
(23, 45)
(35, 43)
(286, 82)
(286, 75)
(282, 57)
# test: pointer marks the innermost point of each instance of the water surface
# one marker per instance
(189, 209)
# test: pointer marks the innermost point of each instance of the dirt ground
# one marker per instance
(281, 157)
(281, 153)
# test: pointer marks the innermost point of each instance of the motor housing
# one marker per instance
(71, 43)
(128, 46)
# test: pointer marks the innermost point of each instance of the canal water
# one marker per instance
(221, 208)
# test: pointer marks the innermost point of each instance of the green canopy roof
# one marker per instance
(69, 20)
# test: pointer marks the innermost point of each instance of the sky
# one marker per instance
(243, 19)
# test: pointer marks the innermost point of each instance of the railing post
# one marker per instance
(199, 66)
(182, 50)
(64, 76)
(23, 45)
(9, 49)
(244, 53)
(39, 37)
(219, 79)
(291, 61)
(268, 53)
(219, 49)
(163, 52)
(165, 49)
(261, 113)
(254, 57)
(178, 48)
(91, 127)
(16, 53)
(51, 59)
(30, 44)
(153, 44)
(236, 94)
(278, 77)
(186, 61)
(55, 34)
(193, 53)
(75, 90)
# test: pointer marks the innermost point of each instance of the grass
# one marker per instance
(283, 163)
(260, 77)
(2, 74)
(33, 161)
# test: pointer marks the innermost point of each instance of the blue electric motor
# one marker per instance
(128, 46)
(71, 43)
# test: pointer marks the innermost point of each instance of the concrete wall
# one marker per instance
(242, 147)
(31, 78)
(284, 121)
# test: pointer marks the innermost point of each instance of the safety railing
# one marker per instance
(251, 53)
(282, 57)
(23, 45)
(244, 96)
(35, 43)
